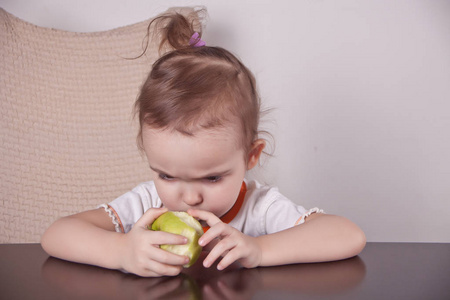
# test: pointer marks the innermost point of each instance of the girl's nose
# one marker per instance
(192, 197)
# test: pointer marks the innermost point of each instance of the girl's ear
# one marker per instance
(255, 152)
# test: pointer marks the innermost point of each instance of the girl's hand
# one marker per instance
(233, 244)
(140, 252)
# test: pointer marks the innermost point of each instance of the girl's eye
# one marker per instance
(213, 178)
(165, 177)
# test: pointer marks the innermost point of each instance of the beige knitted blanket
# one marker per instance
(68, 138)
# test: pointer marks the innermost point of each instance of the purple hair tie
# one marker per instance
(196, 41)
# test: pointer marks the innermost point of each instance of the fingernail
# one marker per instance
(206, 264)
(201, 242)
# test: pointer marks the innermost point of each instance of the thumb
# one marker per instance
(150, 216)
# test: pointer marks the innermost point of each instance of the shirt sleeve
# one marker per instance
(127, 209)
(267, 211)
(282, 213)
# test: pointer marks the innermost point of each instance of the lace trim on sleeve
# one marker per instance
(314, 210)
(114, 218)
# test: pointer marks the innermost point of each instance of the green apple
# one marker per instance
(181, 223)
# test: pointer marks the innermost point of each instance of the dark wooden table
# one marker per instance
(381, 271)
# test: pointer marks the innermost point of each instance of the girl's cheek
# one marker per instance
(166, 197)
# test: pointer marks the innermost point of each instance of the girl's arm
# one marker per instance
(321, 238)
(89, 238)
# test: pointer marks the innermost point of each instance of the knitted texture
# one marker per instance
(68, 137)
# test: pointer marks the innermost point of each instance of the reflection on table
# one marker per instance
(84, 281)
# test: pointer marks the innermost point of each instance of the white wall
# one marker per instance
(361, 91)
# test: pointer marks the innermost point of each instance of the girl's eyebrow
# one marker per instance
(221, 173)
(159, 171)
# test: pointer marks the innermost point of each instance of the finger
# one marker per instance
(166, 238)
(220, 249)
(155, 268)
(168, 258)
(232, 256)
(219, 230)
(150, 216)
(210, 218)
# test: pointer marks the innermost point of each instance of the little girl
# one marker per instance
(199, 113)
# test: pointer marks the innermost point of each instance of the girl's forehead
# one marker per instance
(192, 156)
(229, 134)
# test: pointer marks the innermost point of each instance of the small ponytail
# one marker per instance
(175, 28)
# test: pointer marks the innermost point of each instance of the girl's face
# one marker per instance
(204, 171)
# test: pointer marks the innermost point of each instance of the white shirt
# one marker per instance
(265, 210)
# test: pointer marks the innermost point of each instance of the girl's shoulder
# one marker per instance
(145, 188)
(260, 191)
(143, 194)
(269, 200)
